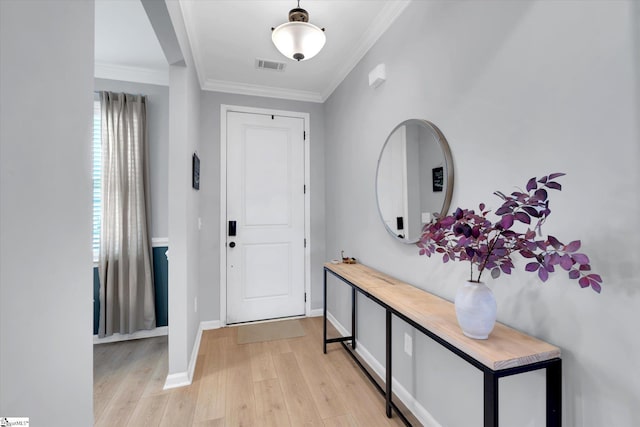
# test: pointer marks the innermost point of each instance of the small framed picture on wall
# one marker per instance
(438, 179)
(195, 177)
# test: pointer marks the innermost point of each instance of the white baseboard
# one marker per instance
(157, 332)
(210, 324)
(402, 393)
(182, 379)
(317, 312)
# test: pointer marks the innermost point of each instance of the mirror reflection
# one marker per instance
(414, 180)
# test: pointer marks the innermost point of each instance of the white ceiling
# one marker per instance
(227, 36)
(126, 47)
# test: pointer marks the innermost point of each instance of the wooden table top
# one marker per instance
(505, 347)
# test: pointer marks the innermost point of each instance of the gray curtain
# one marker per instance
(127, 302)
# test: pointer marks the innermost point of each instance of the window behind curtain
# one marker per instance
(97, 175)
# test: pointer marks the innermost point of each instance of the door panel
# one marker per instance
(264, 275)
(265, 178)
(263, 150)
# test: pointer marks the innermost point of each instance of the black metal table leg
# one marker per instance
(554, 394)
(490, 399)
(324, 317)
(353, 317)
(388, 367)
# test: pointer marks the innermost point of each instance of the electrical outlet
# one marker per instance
(408, 344)
(199, 223)
(195, 304)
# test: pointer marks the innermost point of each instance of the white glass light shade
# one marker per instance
(298, 40)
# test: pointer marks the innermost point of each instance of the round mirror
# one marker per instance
(414, 180)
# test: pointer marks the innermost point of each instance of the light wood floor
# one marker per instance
(278, 383)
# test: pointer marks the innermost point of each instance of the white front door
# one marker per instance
(265, 205)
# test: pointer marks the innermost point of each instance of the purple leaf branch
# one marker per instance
(469, 236)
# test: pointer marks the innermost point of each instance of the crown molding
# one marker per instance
(378, 27)
(131, 74)
(258, 90)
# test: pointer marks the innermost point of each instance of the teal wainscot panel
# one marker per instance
(161, 279)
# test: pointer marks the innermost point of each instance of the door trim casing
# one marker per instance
(224, 109)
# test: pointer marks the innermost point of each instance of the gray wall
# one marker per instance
(519, 89)
(46, 84)
(158, 128)
(210, 192)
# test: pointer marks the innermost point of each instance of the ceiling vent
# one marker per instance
(263, 64)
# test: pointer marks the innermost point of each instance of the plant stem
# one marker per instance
(484, 263)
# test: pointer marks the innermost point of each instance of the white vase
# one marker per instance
(476, 310)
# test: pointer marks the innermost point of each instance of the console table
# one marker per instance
(506, 352)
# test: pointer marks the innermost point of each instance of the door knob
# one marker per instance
(232, 244)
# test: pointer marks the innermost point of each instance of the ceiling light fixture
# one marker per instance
(298, 39)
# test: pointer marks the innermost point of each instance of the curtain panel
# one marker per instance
(125, 263)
